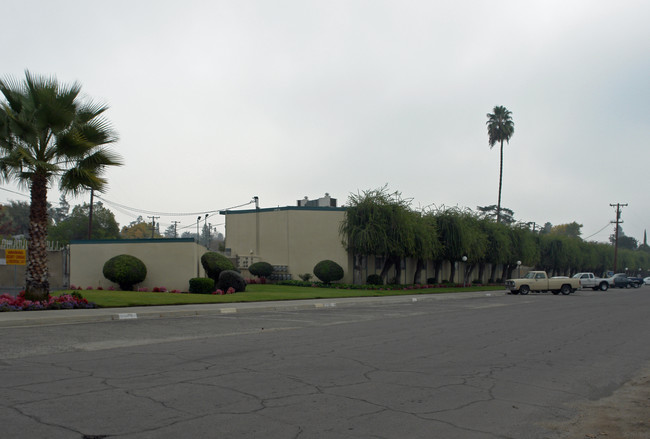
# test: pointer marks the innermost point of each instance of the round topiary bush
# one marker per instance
(328, 271)
(261, 269)
(201, 285)
(125, 270)
(374, 279)
(214, 263)
(231, 278)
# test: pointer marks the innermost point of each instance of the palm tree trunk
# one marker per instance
(37, 286)
(500, 182)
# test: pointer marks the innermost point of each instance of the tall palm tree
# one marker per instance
(500, 127)
(48, 132)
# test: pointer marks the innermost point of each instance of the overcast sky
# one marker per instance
(219, 101)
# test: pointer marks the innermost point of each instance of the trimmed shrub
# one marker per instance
(374, 279)
(125, 270)
(231, 279)
(261, 269)
(201, 285)
(431, 280)
(214, 263)
(328, 271)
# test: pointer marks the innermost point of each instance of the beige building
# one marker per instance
(170, 263)
(293, 239)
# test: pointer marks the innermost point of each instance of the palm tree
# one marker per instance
(47, 132)
(500, 127)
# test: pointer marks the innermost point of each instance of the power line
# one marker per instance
(14, 192)
(606, 225)
(151, 212)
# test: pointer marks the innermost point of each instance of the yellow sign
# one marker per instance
(16, 257)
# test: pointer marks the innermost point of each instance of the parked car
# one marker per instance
(620, 280)
(539, 281)
(636, 282)
(646, 280)
(589, 280)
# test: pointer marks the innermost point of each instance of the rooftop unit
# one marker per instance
(325, 201)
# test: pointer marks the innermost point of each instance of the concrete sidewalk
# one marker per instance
(72, 316)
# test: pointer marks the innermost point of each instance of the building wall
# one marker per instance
(295, 237)
(170, 263)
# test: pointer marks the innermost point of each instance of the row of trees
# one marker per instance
(381, 223)
(65, 224)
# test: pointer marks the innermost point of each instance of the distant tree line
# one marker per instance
(66, 224)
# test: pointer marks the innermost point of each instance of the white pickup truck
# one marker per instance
(539, 281)
(589, 280)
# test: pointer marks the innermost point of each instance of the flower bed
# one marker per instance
(65, 301)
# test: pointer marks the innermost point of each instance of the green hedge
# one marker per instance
(201, 285)
(328, 271)
(125, 270)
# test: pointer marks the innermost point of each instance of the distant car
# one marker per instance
(635, 282)
(589, 280)
(620, 280)
(646, 280)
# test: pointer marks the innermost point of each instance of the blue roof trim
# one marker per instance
(130, 241)
(273, 209)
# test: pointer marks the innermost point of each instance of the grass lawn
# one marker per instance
(253, 293)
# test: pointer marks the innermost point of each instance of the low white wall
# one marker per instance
(170, 263)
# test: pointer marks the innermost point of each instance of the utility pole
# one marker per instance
(617, 222)
(175, 223)
(153, 224)
(205, 225)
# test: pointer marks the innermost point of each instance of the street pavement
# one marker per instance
(467, 365)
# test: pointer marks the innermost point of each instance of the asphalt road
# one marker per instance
(460, 366)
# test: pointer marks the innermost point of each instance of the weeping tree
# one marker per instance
(523, 247)
(497, 248)
(49, 132)
(555, 253)
(379, 223)
(460, 236)
(427, 242)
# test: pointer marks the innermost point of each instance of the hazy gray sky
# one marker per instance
(218, 101)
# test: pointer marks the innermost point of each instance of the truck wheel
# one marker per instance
(524, 289)
(566, 289)
(603, 286)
